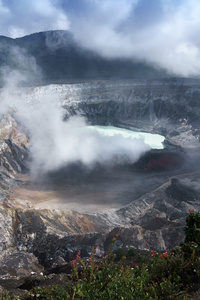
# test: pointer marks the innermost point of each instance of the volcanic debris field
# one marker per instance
(52, 207)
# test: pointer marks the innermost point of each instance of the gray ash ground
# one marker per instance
(84, 190)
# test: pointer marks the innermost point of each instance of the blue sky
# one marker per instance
(163, 32)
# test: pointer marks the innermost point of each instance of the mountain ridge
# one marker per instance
(59, 57)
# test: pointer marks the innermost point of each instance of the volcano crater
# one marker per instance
(144, 199)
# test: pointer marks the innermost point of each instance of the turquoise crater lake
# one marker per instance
(155, 141)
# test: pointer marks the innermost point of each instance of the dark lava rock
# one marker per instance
(19, 264)
(31, 282)
(160, 160)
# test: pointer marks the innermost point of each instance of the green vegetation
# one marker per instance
(192, 229)
(163, 276)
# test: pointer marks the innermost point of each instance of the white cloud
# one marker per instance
(99, 27)
(16, 31)
(27, 17)
(3, 9)
(171, 40)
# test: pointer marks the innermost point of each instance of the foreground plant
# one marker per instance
(96, 277)
(192, 229)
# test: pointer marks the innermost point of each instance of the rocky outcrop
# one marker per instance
(19, 264)
(14, 154)
(14, 147)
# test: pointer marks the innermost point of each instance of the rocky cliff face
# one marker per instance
(154, 220)
(169, 107)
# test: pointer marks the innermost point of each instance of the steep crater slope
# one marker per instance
(169, 179)
(169, 107)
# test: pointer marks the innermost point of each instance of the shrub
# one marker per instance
(50, 293)
(131, 252)
(7, 297)
(119, 253)
(192, 229)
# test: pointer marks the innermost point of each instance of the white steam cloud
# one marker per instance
(21, 60)
(56, 143)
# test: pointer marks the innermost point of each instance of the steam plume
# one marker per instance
(56, 143)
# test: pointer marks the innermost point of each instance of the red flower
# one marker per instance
(165, 254)
(153, 253)
(161, 256)
(136, 266)
(73, 262)
(191, 211)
